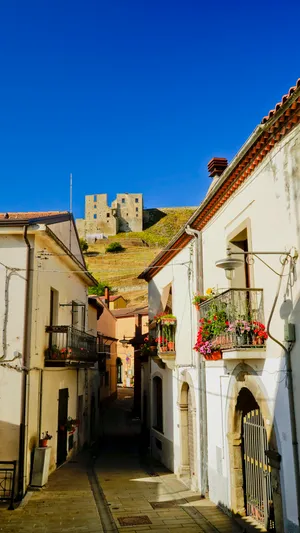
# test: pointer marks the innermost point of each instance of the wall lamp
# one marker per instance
(229, 263)
(125, 340)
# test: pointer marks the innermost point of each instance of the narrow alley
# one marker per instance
(111, 489)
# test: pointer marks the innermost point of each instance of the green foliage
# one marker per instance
(114, 248)
(99, 289)
(83, 245)
(160, 233)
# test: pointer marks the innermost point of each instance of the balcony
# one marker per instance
(68, 345)
(232, 325)
(165, 331)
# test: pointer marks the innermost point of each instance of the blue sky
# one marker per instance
(134, 95)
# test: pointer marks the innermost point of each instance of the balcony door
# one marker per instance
(239, 243)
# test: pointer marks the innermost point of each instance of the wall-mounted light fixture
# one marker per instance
(229, 263)
(125, 340)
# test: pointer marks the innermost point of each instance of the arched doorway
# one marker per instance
(254, 460)
(187, 425)
(256, 468)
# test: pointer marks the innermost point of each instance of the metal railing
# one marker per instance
(165, 331)
(67, 343)
(7, 482)
(236, 318)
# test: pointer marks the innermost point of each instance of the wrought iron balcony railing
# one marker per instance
(67, 343)
(165, 330)
(233, 319)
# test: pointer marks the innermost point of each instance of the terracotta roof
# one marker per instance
(112, 298)
(130, 311)
(283, 101)
(273, 128)
(28, 215)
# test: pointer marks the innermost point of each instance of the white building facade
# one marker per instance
(48, 362)
(232, 433)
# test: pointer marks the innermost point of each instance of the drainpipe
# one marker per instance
(25, 377)
(201, 368)
(291, 397)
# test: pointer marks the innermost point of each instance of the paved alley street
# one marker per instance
(111, 490)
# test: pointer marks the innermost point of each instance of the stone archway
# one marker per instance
(246, 393)
(187, 435)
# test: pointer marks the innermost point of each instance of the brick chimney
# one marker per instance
(216, 166)
(106, 296)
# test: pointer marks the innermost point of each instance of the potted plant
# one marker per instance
(259, 333)
(242, 330)
(44, 440)
(71, 424)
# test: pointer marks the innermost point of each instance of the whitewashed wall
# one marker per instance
(269, 199)
(181, 272)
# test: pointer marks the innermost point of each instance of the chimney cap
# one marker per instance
(216, 166)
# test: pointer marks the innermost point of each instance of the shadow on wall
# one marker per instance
(9, 451)
(259, 436)
(151, 217)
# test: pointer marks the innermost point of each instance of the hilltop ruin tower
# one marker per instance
(124, 215)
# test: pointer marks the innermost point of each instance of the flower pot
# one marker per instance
(43, 443)
(197, 307)
(258, 340)
(241, 339)
(171, 346)
(217, 355)
(163, 348)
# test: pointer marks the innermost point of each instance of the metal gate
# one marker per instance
(257, 471)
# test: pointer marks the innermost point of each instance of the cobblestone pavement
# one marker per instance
(135, 490)
(66, 504)
(115, 491)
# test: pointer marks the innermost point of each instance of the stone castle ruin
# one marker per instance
(124, 215)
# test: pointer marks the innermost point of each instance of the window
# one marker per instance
(136, 200)
(123, 200)
(95, 216)
(137, 209)
(95, 207)
(157, 404)
(78, 316)
(107, 215)
(137, 215)
(95, 197)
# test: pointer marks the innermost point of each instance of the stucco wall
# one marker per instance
(13, 253)
(125, 327)
(273, 225)
(181, 274)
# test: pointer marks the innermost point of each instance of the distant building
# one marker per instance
(125, 215)
(115, 301)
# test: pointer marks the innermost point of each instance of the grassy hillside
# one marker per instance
(121, 270)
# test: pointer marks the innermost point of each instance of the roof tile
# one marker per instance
(30, 214)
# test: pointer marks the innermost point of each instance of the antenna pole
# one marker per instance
(71, 206)
(71, 192)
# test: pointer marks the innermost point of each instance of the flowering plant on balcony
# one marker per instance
(65, 353)
(259, 332)
(211, 326)
(239, 327)
(166, 319)
(200, 298)
(149, 346)
(249, 331)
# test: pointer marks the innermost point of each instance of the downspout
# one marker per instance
(291, 397)
(201, 368)
(25, 377)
